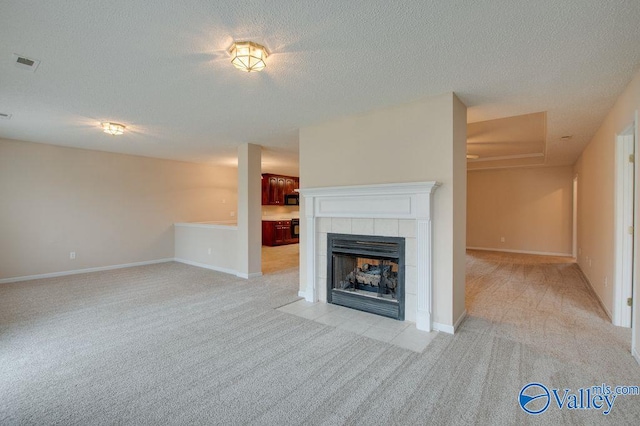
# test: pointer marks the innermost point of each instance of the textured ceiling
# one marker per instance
(505, 142)
(162, 69)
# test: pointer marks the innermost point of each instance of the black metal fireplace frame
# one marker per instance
(390, 248)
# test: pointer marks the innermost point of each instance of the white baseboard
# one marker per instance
(459, 320)
(219, 269)
(248, 276)
(205, 266)
(604, 308)
(539, 253)
(308, 296)
(450, 329)
(82, 271)
(636, 355)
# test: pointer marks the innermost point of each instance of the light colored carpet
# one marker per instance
(174, 344)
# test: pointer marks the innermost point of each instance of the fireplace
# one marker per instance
(367, 273)
(378, 212)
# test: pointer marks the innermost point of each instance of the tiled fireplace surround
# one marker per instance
(393, 210)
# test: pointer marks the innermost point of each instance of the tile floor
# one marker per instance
(399, 333)
(280, 258)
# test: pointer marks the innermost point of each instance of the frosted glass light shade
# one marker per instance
(248, 56)
(114, 129)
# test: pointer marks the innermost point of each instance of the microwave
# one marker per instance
(292, 200)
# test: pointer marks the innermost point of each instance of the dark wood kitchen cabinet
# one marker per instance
(277, 233)
(275, 187)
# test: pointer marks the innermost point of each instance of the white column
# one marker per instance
(249, 262)
(424, 265)
(310, 237)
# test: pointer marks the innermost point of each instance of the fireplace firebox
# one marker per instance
(366, 272)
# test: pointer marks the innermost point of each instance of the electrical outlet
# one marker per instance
(589, 262)
(224, 201)
(209, 251)
(233, 214)
(72, 255)
(606, 281)
(502, 240)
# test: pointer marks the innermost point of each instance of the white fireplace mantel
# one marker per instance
(385, 201)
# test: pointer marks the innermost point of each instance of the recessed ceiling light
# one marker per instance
(472, 156)
(566, 138)
(4, 116)
(113, 129)
(25, 63)
(248, 56)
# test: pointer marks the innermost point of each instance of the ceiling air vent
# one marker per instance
(4, 116)
(26, 63)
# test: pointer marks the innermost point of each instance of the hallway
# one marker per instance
(543, 302)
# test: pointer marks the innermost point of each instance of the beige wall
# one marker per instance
(459, 206)
(421, 141)
(596, 184)
(249, 244)
(530, 207)
(109, 208)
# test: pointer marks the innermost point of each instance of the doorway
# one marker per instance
(624, 228)
(574, 250)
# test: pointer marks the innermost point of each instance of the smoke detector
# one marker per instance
(27, 64)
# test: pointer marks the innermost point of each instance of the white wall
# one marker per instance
(596, 209)
(530, 207)
(109, 208)
(421, 141)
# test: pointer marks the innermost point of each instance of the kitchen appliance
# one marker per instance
(292, 200)
(295, 228)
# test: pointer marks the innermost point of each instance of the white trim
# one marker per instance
(386, 201)
(623, 241)
(302, 294)
(459, 320)
(635, 309)
(249, 276)
(82, 271)
(380, 189)
(538, 253)
(574, 218)
(310, 241)
(220, 225)
(604, 308)
(507, 157)
(205, 266)
(219, 269)
(450, 329)
(412, 200)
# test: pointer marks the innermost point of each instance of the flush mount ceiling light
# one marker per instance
(248, 56)
(472, 156)
(113, 129)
